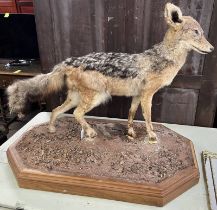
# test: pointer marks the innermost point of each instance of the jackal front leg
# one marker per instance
(134, 106)
(146, 103)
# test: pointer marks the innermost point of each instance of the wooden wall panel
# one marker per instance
(72, 28)
(45, 33)
(206, 109)
(179, 105)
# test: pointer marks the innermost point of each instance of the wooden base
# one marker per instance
(157, 194)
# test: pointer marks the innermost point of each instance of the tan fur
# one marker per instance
(56, 81)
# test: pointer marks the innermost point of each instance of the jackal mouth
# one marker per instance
(199, 50)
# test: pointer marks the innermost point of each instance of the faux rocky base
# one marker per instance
(111, 166)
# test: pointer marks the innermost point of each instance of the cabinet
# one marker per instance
(8, 6)
(16, 6)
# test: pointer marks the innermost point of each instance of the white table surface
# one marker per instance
(12, 196)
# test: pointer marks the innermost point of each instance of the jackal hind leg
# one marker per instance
(146, 103)
(89, 100)
(134, 106)
(71, 101)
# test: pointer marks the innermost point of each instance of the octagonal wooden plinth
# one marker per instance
(157, 194)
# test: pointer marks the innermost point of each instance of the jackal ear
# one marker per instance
(173, 15)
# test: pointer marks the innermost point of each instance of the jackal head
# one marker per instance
(186, 30)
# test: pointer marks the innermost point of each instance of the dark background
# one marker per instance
(77, 27)
(18, 38)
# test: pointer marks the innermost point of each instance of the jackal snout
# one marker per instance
(193, 36)
(186, 30)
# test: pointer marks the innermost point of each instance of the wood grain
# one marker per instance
(206, 109)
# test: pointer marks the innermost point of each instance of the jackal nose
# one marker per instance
(211, 49)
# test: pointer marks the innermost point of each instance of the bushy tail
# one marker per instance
(23, 91)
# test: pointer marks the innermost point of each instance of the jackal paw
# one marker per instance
(131, 133)
(91, 133)
(52, 129)
(152, 138)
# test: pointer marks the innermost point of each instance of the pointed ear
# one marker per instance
(173, 15)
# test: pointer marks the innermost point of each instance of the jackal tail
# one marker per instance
(21, 92)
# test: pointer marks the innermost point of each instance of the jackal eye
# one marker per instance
(196, 32)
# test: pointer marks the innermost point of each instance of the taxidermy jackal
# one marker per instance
(94, 78)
